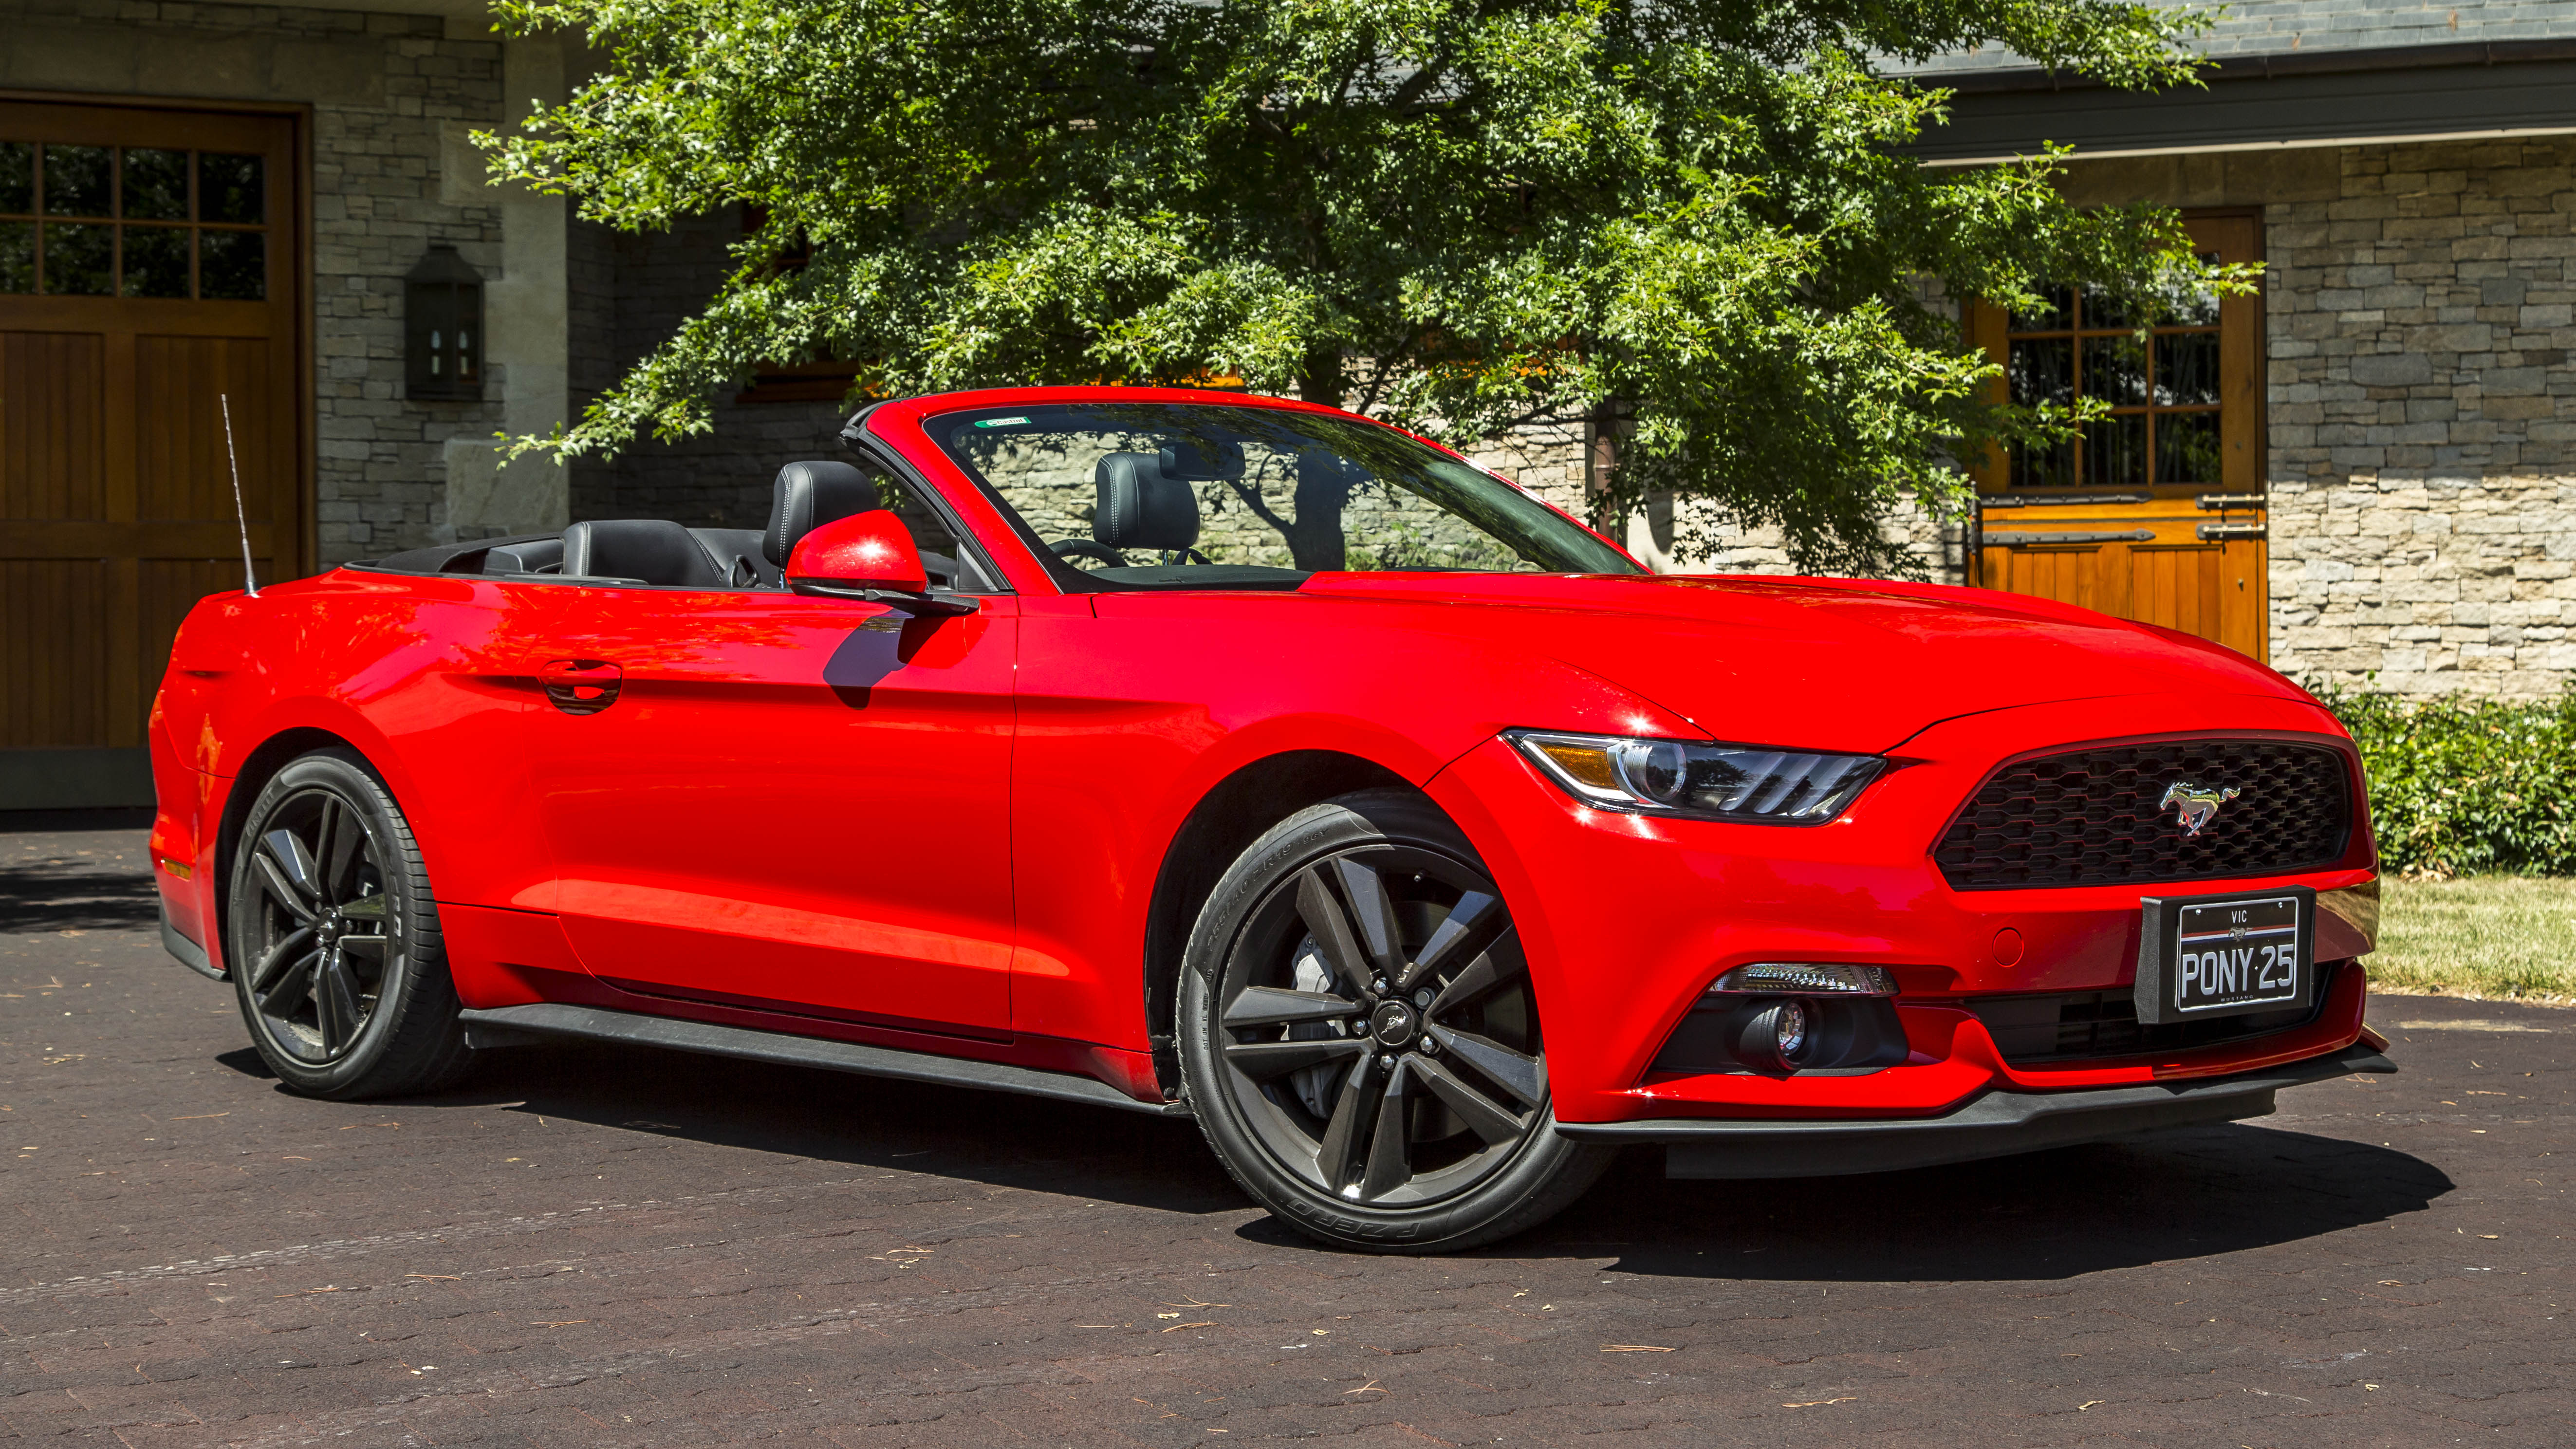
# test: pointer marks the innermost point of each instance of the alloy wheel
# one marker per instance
(324, 944)
(1378, 1030)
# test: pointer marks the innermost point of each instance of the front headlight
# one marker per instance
(1703, 781)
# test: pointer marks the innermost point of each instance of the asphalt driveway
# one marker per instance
(594, 1246)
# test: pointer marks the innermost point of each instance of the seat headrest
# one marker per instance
(655, 550)
(1137, 507)
(809, 494)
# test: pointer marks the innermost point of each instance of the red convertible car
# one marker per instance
(1249, 761)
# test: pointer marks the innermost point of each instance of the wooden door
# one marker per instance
(149, 266)
(2156, 513)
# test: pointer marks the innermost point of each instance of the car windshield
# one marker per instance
(1209, 496)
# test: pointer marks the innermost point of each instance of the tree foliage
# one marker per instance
(1691, 221)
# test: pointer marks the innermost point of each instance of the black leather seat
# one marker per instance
(536, 556)
(809, 494)
(738, 552)
(654, 550)
(1135, 506)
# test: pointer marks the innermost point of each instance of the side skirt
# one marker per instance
(507, 1026)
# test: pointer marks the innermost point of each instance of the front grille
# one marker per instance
(2084, 1025)
(2096, 817)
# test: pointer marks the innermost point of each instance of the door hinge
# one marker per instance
(2054, 500)
(2128, 535)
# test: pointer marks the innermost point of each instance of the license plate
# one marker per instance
(2206, 956)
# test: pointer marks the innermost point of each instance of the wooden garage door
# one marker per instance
(148, 267)
(2157, 511)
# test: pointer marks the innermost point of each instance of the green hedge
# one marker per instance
(2467, 786)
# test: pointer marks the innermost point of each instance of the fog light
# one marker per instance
(1775, 1037)
(1789, 1029)
(1811, 977)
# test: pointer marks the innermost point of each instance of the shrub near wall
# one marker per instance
(2467, 786)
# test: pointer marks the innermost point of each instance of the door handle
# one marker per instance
(581, 686)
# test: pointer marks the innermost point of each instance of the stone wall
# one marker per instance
(2423, 420)
(718, 479)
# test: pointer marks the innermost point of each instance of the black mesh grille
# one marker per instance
(2096, 817)
(2081, 1025)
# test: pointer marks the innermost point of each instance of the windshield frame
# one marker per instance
(933, 416)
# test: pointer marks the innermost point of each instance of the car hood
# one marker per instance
(1819, 663)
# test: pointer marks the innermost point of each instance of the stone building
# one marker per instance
(2405, 393)
(2364, 472)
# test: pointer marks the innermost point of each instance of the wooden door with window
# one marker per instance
(2156, 512)
(148, 269)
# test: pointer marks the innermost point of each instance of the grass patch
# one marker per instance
(2492, 937)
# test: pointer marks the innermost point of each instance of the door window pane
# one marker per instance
(2042, 370)
(2044, 467)
(232, 265)
(76, 180)
(2049, 316)
(156, 185)
(2187, 448)
(17, 256)
(2101, 311)
(156, 261)
(229, 189)
(2115, 370)
(2190, 306)
(2187, 369)
(2115, 452)
(80, 261)
(17, 176)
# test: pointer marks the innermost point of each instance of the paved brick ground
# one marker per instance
(598, 1247)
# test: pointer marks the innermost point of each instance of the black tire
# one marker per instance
(332, 938)
(1333, 949)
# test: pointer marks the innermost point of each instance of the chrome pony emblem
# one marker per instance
(2195, 805)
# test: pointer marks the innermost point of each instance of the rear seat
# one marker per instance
(652, 551)
(647, 550)
(738, 551)
(536, 556)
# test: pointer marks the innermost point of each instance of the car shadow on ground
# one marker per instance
(2192, 1193)
(2189, 1193)
(60, 871)
(996, 1138)
(75, 895)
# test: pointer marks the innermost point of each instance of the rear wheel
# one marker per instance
(333, 942)
(1360, 1041)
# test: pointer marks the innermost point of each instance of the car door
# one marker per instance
(779, 802)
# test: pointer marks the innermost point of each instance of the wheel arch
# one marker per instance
(258, 767)
(1228, 818)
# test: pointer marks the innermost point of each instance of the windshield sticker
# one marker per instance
(999, 422)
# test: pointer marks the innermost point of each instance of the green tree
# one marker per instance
(1690, 221)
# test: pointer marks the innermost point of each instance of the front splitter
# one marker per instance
(1995, 1124)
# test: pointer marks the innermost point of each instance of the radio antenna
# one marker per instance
(250, 580)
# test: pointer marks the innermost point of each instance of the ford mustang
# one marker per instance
(1244, 760)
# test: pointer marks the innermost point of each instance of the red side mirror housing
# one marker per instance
(867, 556)
(871, 550)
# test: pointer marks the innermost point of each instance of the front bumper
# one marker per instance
(1994, 1124)
(1626, 920)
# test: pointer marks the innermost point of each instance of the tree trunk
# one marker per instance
(1607, 431)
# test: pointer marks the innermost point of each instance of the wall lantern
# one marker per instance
(443, 328)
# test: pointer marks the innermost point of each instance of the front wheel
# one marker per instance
(333, 942)
(1360, 1041)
